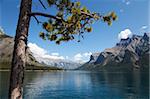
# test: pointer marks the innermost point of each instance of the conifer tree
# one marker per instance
(71, 19)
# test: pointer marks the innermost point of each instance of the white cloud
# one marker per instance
(67, 57)
(55, 54)
(144, 27)
(42, 53)
(84, 57)
(78, 57)
(87, 54)
(36, 50)
(125, 34)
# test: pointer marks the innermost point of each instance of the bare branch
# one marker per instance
(90, 15)
(87, 14)
(42, 4)
(46, 15)
(37, 20)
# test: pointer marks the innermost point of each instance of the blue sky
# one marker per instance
(132, 15)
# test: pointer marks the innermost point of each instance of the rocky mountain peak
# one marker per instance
(124, 42)
(94, 57)
(146, 36)
(1, 31)
(129, 53)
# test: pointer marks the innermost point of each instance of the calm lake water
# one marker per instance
(81, 85)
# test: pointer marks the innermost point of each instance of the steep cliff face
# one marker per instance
(6, 50)
(129, 53)
(93, 58)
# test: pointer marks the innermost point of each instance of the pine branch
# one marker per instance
(37, 20)
(42, 4)
(46, 15)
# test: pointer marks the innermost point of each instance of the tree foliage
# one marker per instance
(70, 20)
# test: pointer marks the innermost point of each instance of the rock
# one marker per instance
(129, 54)
(6, 52)
(60, 63)
(93, 58)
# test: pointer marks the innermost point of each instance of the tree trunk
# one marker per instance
(19, 53)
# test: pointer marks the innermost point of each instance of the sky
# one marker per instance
(133, 18)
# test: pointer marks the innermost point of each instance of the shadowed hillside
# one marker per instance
(128, 54)
(6, 50)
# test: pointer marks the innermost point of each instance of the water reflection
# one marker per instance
(131, 85)
(83, 85)
(4, 81)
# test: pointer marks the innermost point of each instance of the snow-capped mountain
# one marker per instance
(51, 59)
(60, 63)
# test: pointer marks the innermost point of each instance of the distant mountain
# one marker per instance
(6, 50)
(128, 54)
(60, 63)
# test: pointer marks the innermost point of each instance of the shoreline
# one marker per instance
(32, 70)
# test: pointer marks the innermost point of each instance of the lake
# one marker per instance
(81, 85)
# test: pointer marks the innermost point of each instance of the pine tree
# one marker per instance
(71, 19)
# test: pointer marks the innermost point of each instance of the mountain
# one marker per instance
(60, 63)
(6, 50)
(128, 54)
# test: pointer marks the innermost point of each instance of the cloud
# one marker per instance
(125, 34)
(67, 57)
(39, 52)
(55, 54)
(144, 27)
(127, 2)
(36, 50)
(84, 57)
(78, 57)
(87, 54)
(2, 30)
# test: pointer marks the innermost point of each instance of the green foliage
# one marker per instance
(71, 19)
(110, 17)
(42, 35)
(89, 29)
(51, 2)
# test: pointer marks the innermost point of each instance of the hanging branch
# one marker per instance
(46, 15)
(38, 22)
(42, 4)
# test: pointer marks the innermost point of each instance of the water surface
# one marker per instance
(81, 85)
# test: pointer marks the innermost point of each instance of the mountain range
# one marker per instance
(60, 63)
(129, 54)
(6, 52)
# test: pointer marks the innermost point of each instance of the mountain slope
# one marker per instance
(6, 50)
(131, 53)
(60, 63)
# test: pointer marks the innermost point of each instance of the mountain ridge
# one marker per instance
(60, 63)
(132, 53)
(6, 52)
